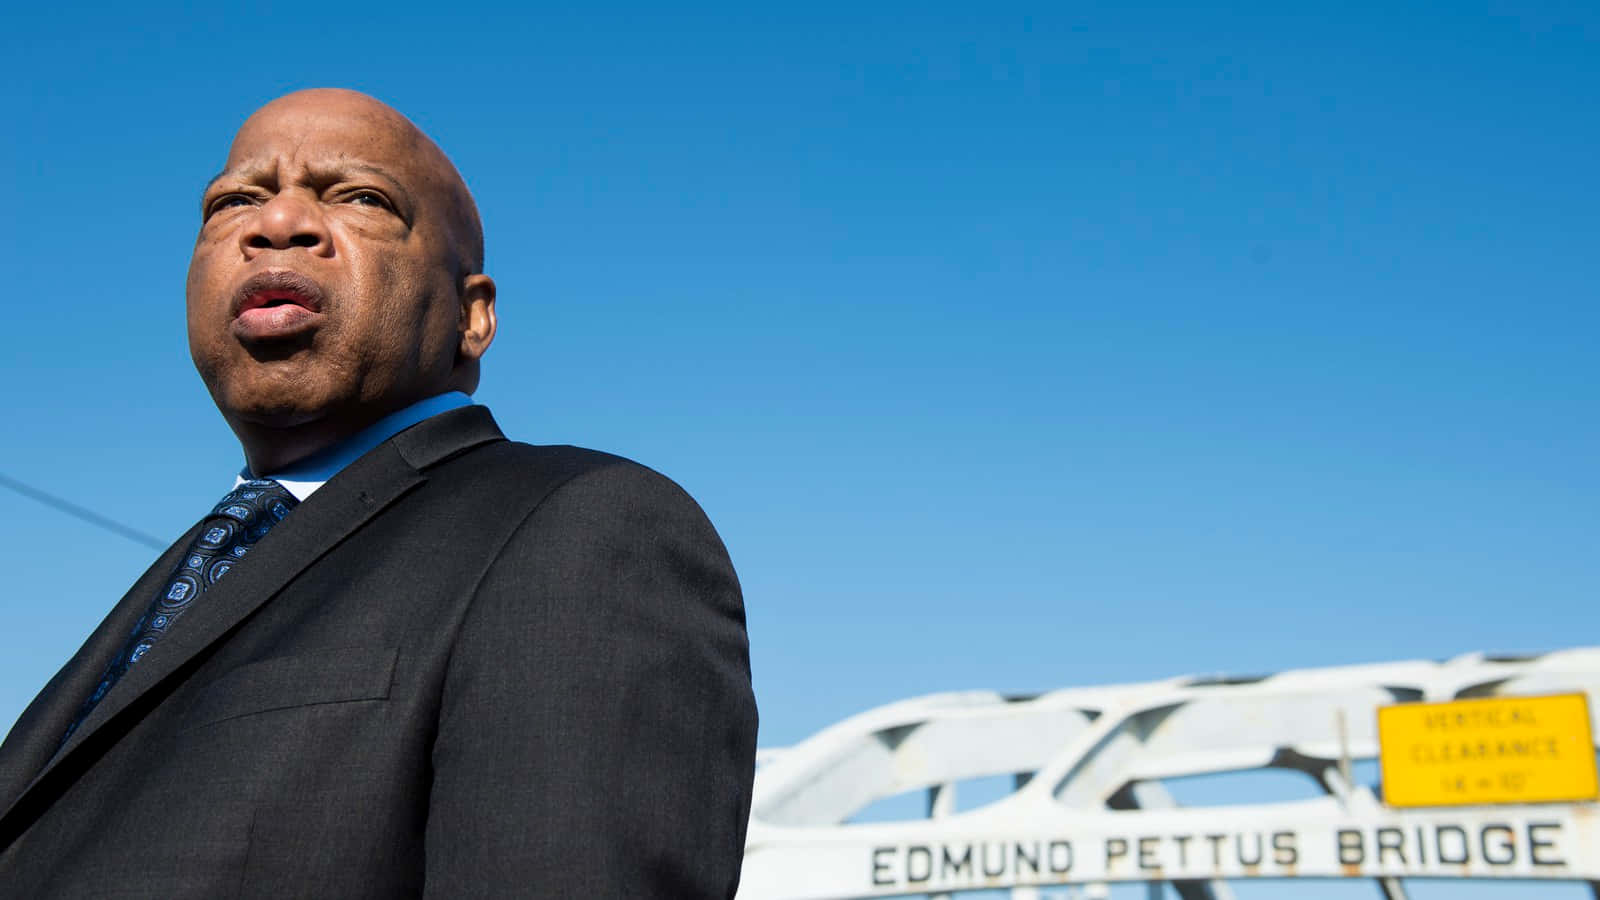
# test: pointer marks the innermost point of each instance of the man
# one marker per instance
(439, 663)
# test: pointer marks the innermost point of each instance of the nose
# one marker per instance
(286, 221)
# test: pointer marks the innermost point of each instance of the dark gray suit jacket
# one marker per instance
(464, 667)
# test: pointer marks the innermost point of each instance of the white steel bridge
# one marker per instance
(1088, 771)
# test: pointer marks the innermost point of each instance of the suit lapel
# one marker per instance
(339, 507)
(37, 733)
(323, 520)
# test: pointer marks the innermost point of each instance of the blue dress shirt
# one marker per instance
(303, 478)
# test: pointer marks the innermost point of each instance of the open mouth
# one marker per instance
(275, 304)
(274, 298)
(278, 287)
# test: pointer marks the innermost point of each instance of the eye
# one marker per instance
(227, 201)
(371, 198)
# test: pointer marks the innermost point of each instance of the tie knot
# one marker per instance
(248, 512)
(261, 497)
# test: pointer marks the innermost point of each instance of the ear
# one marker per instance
(477, 320)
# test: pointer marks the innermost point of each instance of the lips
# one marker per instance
(276, 305)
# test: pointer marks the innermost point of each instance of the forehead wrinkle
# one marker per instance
(318, 168)
(245, 172)
(365, 168)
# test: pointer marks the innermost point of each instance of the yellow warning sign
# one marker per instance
(1493, 750)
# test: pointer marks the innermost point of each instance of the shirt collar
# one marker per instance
(303, 478)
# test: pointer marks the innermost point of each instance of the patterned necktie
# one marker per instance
(243, 517)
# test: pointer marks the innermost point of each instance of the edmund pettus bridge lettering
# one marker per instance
(1420, 849)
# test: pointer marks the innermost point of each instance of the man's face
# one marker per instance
(327, 277)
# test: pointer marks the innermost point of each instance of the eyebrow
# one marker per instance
(214, 179)
(399, 186)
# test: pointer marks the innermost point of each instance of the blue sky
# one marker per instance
(1008, 347)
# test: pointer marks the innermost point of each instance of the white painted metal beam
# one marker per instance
(1073, 752)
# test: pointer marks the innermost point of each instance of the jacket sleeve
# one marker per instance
(597, 726)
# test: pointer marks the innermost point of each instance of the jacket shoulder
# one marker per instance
(519, 472)
(514, 460)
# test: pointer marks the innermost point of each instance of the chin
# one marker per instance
(274, 394)
(272, 406)
(273, 416)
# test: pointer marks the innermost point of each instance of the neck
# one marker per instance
(274, 448)
(269, 449)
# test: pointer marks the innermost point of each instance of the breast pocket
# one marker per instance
(288, 682)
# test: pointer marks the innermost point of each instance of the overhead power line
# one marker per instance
(80, 512)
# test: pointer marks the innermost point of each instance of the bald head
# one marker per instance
(384, 128)
(337, 276)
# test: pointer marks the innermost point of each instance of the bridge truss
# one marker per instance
(1089, 803)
